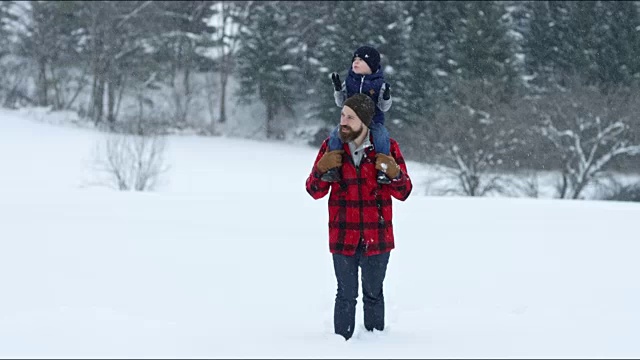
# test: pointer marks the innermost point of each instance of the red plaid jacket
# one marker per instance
(359, 207)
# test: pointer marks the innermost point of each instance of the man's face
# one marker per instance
(350, 125)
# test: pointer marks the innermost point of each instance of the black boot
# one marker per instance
(332, 175)
(382, 178)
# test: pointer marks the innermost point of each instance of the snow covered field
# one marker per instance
(229, 258)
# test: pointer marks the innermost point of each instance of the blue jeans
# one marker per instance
(374, 269)
(379, 133)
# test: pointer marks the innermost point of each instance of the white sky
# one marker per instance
(229, 258)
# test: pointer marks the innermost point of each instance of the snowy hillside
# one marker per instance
(229, 258)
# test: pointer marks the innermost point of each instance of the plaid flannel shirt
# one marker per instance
(360, 209)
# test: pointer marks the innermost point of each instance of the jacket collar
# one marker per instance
(376, 75)
(367, 145)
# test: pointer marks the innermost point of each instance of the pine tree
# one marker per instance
(484, 50)
(185, 32)
(596, 41)
(547, 46)
(618, 57)
(419, 77)
(311, 21)
(265, 65)
(585, 31)
(47, 39)
(6, 17)
(448, 29)
(117, 48)
(227, 16)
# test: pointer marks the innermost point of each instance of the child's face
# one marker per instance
(360, 67)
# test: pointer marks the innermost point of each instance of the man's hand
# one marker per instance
(388, 165)
(330, 160)
(337, 84)
(387, 91)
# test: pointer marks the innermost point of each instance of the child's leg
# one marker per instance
(334, 139)
(382, 145)
(380, 138)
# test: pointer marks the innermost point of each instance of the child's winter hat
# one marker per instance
(370, 55)
(363, 106)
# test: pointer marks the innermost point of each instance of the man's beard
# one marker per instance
(350, 135)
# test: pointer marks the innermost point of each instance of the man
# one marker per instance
(360, 214)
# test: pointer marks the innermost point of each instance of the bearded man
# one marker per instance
(360, 213)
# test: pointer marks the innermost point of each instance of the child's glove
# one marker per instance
(387, 91)
(337, 84)
(387, 165)
(330, 160)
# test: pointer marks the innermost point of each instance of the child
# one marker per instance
(365, 76)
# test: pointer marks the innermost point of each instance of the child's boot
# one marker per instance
(382, 178)
(332, 175)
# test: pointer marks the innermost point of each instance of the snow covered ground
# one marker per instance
(229, 258)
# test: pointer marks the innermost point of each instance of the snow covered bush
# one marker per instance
(589, 129)
(131, 162)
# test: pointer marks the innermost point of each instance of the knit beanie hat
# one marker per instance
(363, 106)
(369, 55)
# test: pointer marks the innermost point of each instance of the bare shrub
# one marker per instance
(183, 99)
(624, 193)
(131, 162)
(612, 187)
(67, 84)
(14, 72)
(589, 130)
(472, 138)
(522, 183)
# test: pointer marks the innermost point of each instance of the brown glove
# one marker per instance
(330, 160)
(388, 165)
